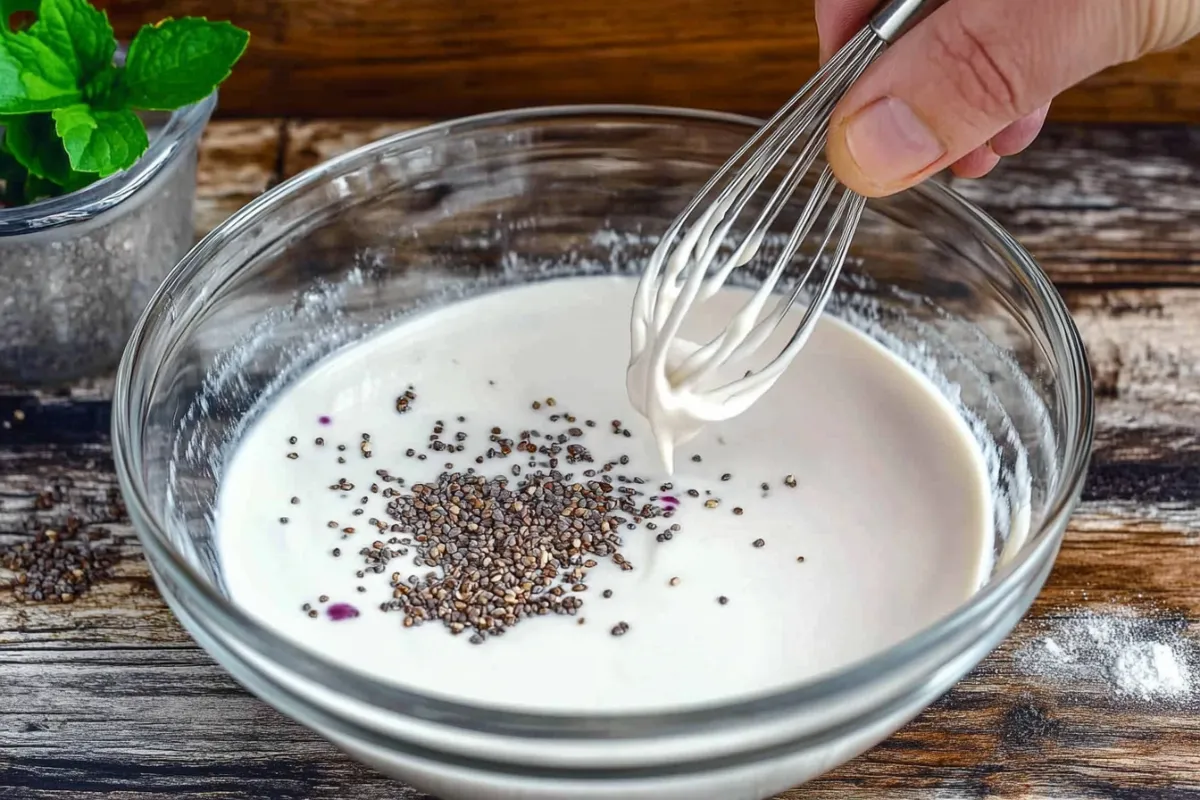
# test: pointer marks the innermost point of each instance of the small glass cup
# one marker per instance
(77, 271)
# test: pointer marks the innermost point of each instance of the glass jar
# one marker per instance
(77, 271)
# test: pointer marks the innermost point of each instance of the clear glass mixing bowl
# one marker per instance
(466, 206)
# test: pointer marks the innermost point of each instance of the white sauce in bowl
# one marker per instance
(890, 511)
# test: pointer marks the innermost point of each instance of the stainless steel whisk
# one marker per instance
(688, 263)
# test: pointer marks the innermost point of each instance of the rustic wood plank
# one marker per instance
(328, 58)
(109, 697)
(238, 161)
(307, 144)
(1095, 204)
(1103, 204)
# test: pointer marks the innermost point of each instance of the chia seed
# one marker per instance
(507, 549)
(59, 566)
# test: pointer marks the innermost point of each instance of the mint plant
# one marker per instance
(68, 111)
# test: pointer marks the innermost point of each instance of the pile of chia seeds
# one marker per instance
(513, 536)
(59, 564)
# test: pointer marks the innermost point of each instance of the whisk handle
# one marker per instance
(894, 17)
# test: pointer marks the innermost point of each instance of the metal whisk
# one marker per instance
(694, 259)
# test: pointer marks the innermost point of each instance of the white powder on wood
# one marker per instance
(1145, 659)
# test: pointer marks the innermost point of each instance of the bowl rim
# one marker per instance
(267, 643)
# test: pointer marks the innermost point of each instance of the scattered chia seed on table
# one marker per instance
(67, 557)
(58, 567)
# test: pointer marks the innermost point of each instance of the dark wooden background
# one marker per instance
(442, 58)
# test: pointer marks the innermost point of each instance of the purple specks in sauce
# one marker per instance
(324, 419)
(340, 611)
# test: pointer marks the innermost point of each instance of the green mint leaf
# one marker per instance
(180, 61)
(103, 142)
(78, 34)
(32, 141)
(33, 77)
(106, 90)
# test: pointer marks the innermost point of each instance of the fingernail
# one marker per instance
(890, 143)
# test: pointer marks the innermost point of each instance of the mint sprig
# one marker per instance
(178, 62)
(67, 111)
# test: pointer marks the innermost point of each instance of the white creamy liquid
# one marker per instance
(890, 510)
(681, 375)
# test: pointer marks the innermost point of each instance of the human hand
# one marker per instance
(973, 81)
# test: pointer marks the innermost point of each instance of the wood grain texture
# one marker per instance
(360, 58)
(238, 161)
(306, 144)
(1094, 204)
(109, 697)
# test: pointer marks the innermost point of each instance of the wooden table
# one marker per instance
(108, 696)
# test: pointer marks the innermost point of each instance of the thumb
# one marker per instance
(973, 67)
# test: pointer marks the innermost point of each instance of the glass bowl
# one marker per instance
(466, 206)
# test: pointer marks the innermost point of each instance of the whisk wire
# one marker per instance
(750, 328)
(679, 384)
(850, 60)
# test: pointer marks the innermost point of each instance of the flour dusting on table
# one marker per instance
(1141, 658)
